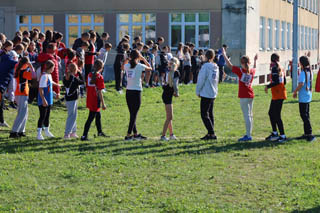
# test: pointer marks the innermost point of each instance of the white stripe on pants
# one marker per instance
(71, 124)
(11, 90)
(246, 107)
(22, 116)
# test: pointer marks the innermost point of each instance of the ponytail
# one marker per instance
(134, 55)
(23, 61)
(245, 61)
(305, 63)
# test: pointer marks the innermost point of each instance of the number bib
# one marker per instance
(246, 79)
(131, 73)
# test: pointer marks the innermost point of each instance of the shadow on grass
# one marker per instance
(313, 210)
(131, 148)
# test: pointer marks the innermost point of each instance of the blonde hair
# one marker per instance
(176, 64)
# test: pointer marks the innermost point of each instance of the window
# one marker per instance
(289, 33)
(78, 24)
(283, 35)
(270, 34)
(262, 33)
(139, 24)
(43, 23)
(310, 38)
(301, 37)
(277, 32)
(190, 27)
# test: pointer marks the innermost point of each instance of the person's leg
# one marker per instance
(272, 115)
(279, 122)
(70, 118)
(133, 101)
(22, 116)
(98, 122)
(47, 117)
(244, 103)
(19, 118)
(304, 113)
(75, 115)
(147, 79)
(88, 123)
(186, 73)
(167, 123)
(1, 108)
(43, 112)
(117, 76)
(205, 105)
(250, 102)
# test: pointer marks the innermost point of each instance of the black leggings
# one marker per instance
(187, 70)
(206, 107)
(1, 108)
(133, 98)
(117, 76)
(305, 116)
(44, 116)
(275, 115)
(91, 117)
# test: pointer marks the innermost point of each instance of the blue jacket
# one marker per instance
(7, 65)
(221, 61)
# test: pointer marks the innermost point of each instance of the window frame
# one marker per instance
(30, 25)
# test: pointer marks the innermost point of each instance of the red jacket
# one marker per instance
(89, 58)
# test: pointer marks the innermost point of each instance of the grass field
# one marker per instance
(188, 175)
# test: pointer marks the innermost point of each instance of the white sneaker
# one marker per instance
(48, 133)
(173, 137)
(164, 138)
(4, 124)
(40, 137)
(120, 92)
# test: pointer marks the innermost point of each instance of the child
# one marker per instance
(134, 71)
(104, 52)
(72, 81)
(95, 85)
(6, 74)
(23, 73)
(82, 50)
(245, 93)
(163, 67)
(147, 55)
(305, 97)
(154, 73)
(187, 66)
(279, 94)
(207, 90)
(170, 89)
(45, 99)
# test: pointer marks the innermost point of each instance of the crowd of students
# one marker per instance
(30, 65)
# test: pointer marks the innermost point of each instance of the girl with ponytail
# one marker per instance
(170, 88)
(279, 94)
(245, 93)
(305, 96)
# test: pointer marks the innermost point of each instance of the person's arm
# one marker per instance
(229, 64)
(201, 80)
(44, 101)
(102, 100)
(275, 79)
(175, 86)
(300, 85)
(81, 80)
(255, 61)
(148, 67)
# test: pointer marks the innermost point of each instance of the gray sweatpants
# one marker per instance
(246, 107)
(22, 116)
(71, 124)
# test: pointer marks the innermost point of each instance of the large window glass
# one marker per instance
(270, 34)
(289, 33)
(283, 35)
(78, 24)
(277, 32)
(143, 25)
(262, 33)
(190, 27)
(43, 23)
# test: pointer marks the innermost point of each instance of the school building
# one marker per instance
(246, 26)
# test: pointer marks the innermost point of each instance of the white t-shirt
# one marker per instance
(44, 80)
(134, 81)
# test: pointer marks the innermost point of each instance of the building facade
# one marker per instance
(246, 26)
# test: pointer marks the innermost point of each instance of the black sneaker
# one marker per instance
(22, 134)
(303, 137)
(272, 137)
(209, 137)
(84, 138)
(14, 135)
(128, 138)
(281, 139)
(139, 137)
(101, 134)
(13, 105)
(310, 138)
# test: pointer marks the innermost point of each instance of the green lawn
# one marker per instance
(188, 175)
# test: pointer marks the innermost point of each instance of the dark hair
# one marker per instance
(85, 44)
(186, 49)
(150, 43)
(19, 47)
(6, 44)
(104, 35)
(93, 35)
(72, 67)
(245, 61)
(41, 35)
(146, 47)
(126, 46)
(305, 63)
(195, 52)
(16, 40)
(225, 46)
(80, 63)
(107, 45)
(49, 35)
(134, 55)
(25, 39)
(160, 39)
(137, 38)
(140, 44)
(57, 36)
(210, 54)
(25, 33)
(49, 64)
(51, 46)
(34, 34)
(21, 62)
(98, 65)
(71, 53)
(275, 58)
(85, 35)
(36, 30)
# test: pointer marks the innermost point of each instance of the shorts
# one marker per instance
(167, 97)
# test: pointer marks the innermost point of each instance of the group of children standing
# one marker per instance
(33, 56)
